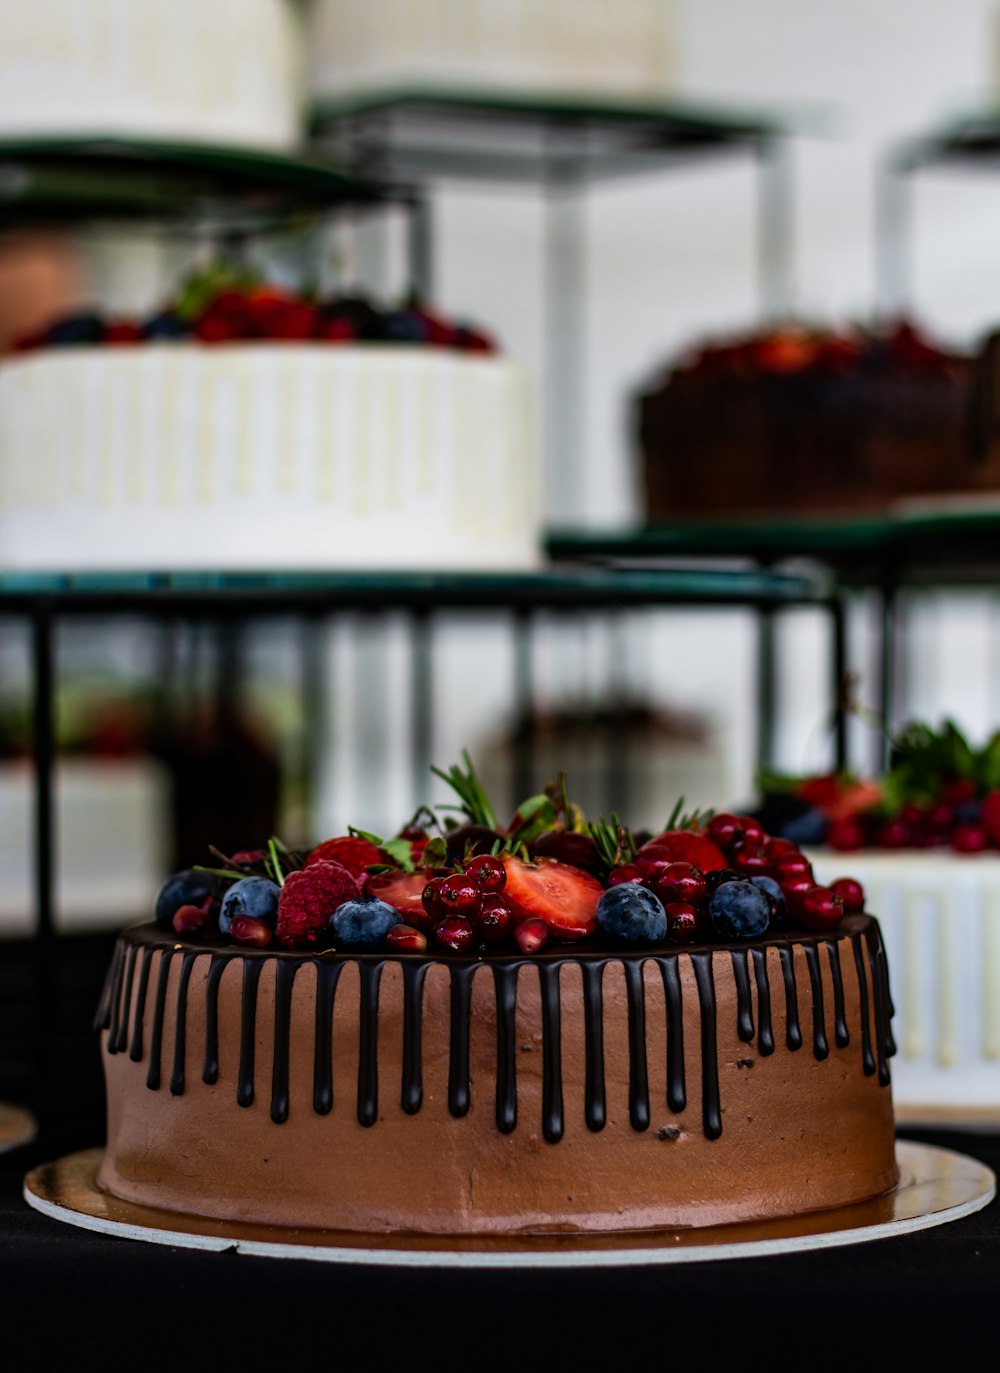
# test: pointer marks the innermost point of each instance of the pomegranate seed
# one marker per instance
(851, 893)
(488, 873)
(788, 865)
(725, 829)
(405, 939)
(681, 882)
(189, 919)
(244, 929)
(845, 835)
(455, 932)
(494, 917)
(531, 934)
(795, 887)
(753, 831)
(749, 858)
(682, 922)
(774, 847)
(964, 839)
(820, 909)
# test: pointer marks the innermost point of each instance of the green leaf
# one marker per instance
(399, 850)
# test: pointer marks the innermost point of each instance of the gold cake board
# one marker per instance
(936, 1186)
(17, 1127)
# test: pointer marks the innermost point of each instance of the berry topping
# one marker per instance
(308, 899)
(255, 897)
(579, 850)
(851, 893)
(186, 888)
(739, 910)
(820, 909)
(968, 839)
(362, 923)
(244, 929)
(779, 906)
(749, 859)
(189, 919)
(404, 891)
(715, 879)
(564, 897)
(405, 939)
(494, 918)
(627, 872)
(456, 933)
(684, 846)
(488, 873)
(458, 894)
(531, 935)
(680, 882)
(632, 912)
(845, 835)
(788, 865)
(352, 852)
(724, 829)
(682, 922)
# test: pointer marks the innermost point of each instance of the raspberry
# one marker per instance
(308, 899)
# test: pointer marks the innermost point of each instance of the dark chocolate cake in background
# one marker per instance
(824, 422)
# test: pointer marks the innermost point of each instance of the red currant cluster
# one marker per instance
(466, 908)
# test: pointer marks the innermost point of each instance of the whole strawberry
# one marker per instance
(308, 899)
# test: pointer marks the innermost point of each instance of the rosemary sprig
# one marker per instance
(615, 842)
(469, 790)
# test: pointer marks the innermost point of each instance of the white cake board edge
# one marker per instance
(953, 1186)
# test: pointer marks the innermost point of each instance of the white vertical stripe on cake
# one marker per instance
(363, 444)
(286, 395)
(108, 438)
(245, 451)
(990, 970)
(946, 926)
(344, 457)
(172, 382)
(203, 386)
(423, 435)
(394, 440)
(325, 446)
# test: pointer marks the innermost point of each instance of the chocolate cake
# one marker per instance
(548, 1027)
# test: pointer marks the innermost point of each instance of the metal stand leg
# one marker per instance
(315, 705)
(44, 749)
(420, 248)
(839, 682)
(524, 704)
(887, 670)
(766, 687)
(422, 700)
(775, 232)
(893, 243)
(565, 288)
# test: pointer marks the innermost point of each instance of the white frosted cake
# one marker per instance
(217, 71)
(251, 456)
(940, 916)
(624, 48)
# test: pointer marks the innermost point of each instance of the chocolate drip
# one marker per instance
(118, 1036)
(248, 1033)
(595, 1111)
(841, 1033)
(102, 1018)
(793, 1031)
(867, 1057)
(884, 1044)
(505, 987)
(552, 1092)
(744, 1006)
(156, 1033)
(711, 1107)
(327, 976)
(371, 974)
(114, 1006)
(676, 1088)
(458, 1066)
(638, 1072)
(135, 1048)
(210, 1067)
(412, 1089)
(765, 1032)
(820, 1047)
(180, 1026)
(284, 976)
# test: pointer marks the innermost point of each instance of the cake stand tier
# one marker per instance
(936, 1186)
(17, 1127)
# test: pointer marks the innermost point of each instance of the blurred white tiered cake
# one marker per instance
(940, 915)
(215, 71)
(250, 456)
(622, 48)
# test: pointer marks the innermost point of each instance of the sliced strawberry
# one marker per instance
(563, 896)
(684, 846)
(351, 852)
(403, 891)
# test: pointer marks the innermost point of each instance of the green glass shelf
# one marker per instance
(583, 588)
(972, 142)
(418, 131)
(84, 178)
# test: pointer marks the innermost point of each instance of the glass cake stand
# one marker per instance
(936, 1186)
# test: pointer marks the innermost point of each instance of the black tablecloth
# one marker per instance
(71, 1299)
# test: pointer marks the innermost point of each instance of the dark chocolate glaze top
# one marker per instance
(131, 983)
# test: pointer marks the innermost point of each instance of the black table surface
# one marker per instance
(84, 1299)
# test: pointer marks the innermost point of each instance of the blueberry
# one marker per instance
(185, 888)
(739, 910)
(968, 813)
(85, 327)
(400, 326)
(716, 878)
(779, 907)
(363, 924)
(253, 896)
(632, 912)
(165, 327)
